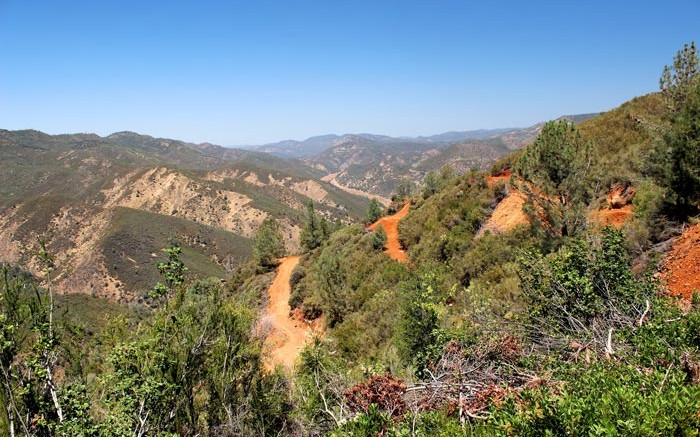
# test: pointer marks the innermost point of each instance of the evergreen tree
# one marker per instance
(678, 156)
(431, 184)
(404, 189)
(268, 244)
(678, 80)
(555, 169)
(315, 230)
(379, 238)
(374, 212)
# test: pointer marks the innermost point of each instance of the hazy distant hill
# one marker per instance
(108, 205)
(377, 165)
(319, 144)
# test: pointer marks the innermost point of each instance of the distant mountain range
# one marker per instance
(319, 144)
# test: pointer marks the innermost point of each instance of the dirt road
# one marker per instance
(391, 227)
(288, 334)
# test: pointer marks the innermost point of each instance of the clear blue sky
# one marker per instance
(248, 72)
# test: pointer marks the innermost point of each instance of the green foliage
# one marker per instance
(29, 352)
(435, 181)
(172, 272)
(648, 221)
(404, 189)
(268, 244)
(557, 166)
(355, 288)
(379, 238)
(623, 138)
(431, 184)
(584, 280)
(603, 400)
(418, 329)
(374, 212)
(678, 81)
(315, 230)
(675, 162)
(373, 422)
(683, 145)
(190, 369)
(332, 279)
(320, 379)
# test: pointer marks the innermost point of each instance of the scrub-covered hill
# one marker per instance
(106, 206)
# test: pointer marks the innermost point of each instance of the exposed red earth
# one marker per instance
(289, 332)
(682, 266)
(391, 227)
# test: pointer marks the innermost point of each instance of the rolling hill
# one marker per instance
(106, 206)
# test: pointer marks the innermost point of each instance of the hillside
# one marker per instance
(108, 205)
(377, 164)
(514, 303)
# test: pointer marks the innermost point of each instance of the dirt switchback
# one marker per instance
(391, 227)
(289, 332)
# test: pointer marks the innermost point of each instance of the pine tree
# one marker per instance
(678, 80)
(315, 230)
(268, 244)
(379, 238)
(555, 169)
(678, 155)
(374, 212)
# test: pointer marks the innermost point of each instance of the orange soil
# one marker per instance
(682, 267)
(290, 332)
(619, 208)
(614, 217)
(391, 227)
(504, 176)
(507, 215)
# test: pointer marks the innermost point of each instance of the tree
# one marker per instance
(447, 173)
(678, 80)
(586, 282)
(404, 189)
(418, 328)
(29, 353)
(315, 230)
(172, 271)
(332, 279)
(555, 171)
(679, 154)
(374, 212)
(379, 238)
(431, 184)
(268, 244)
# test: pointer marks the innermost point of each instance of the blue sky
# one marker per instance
(249, 72)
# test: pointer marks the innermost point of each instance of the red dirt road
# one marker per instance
(289, 334)
(391, 227)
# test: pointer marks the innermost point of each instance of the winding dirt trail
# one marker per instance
(391, 227)
(289, 333)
